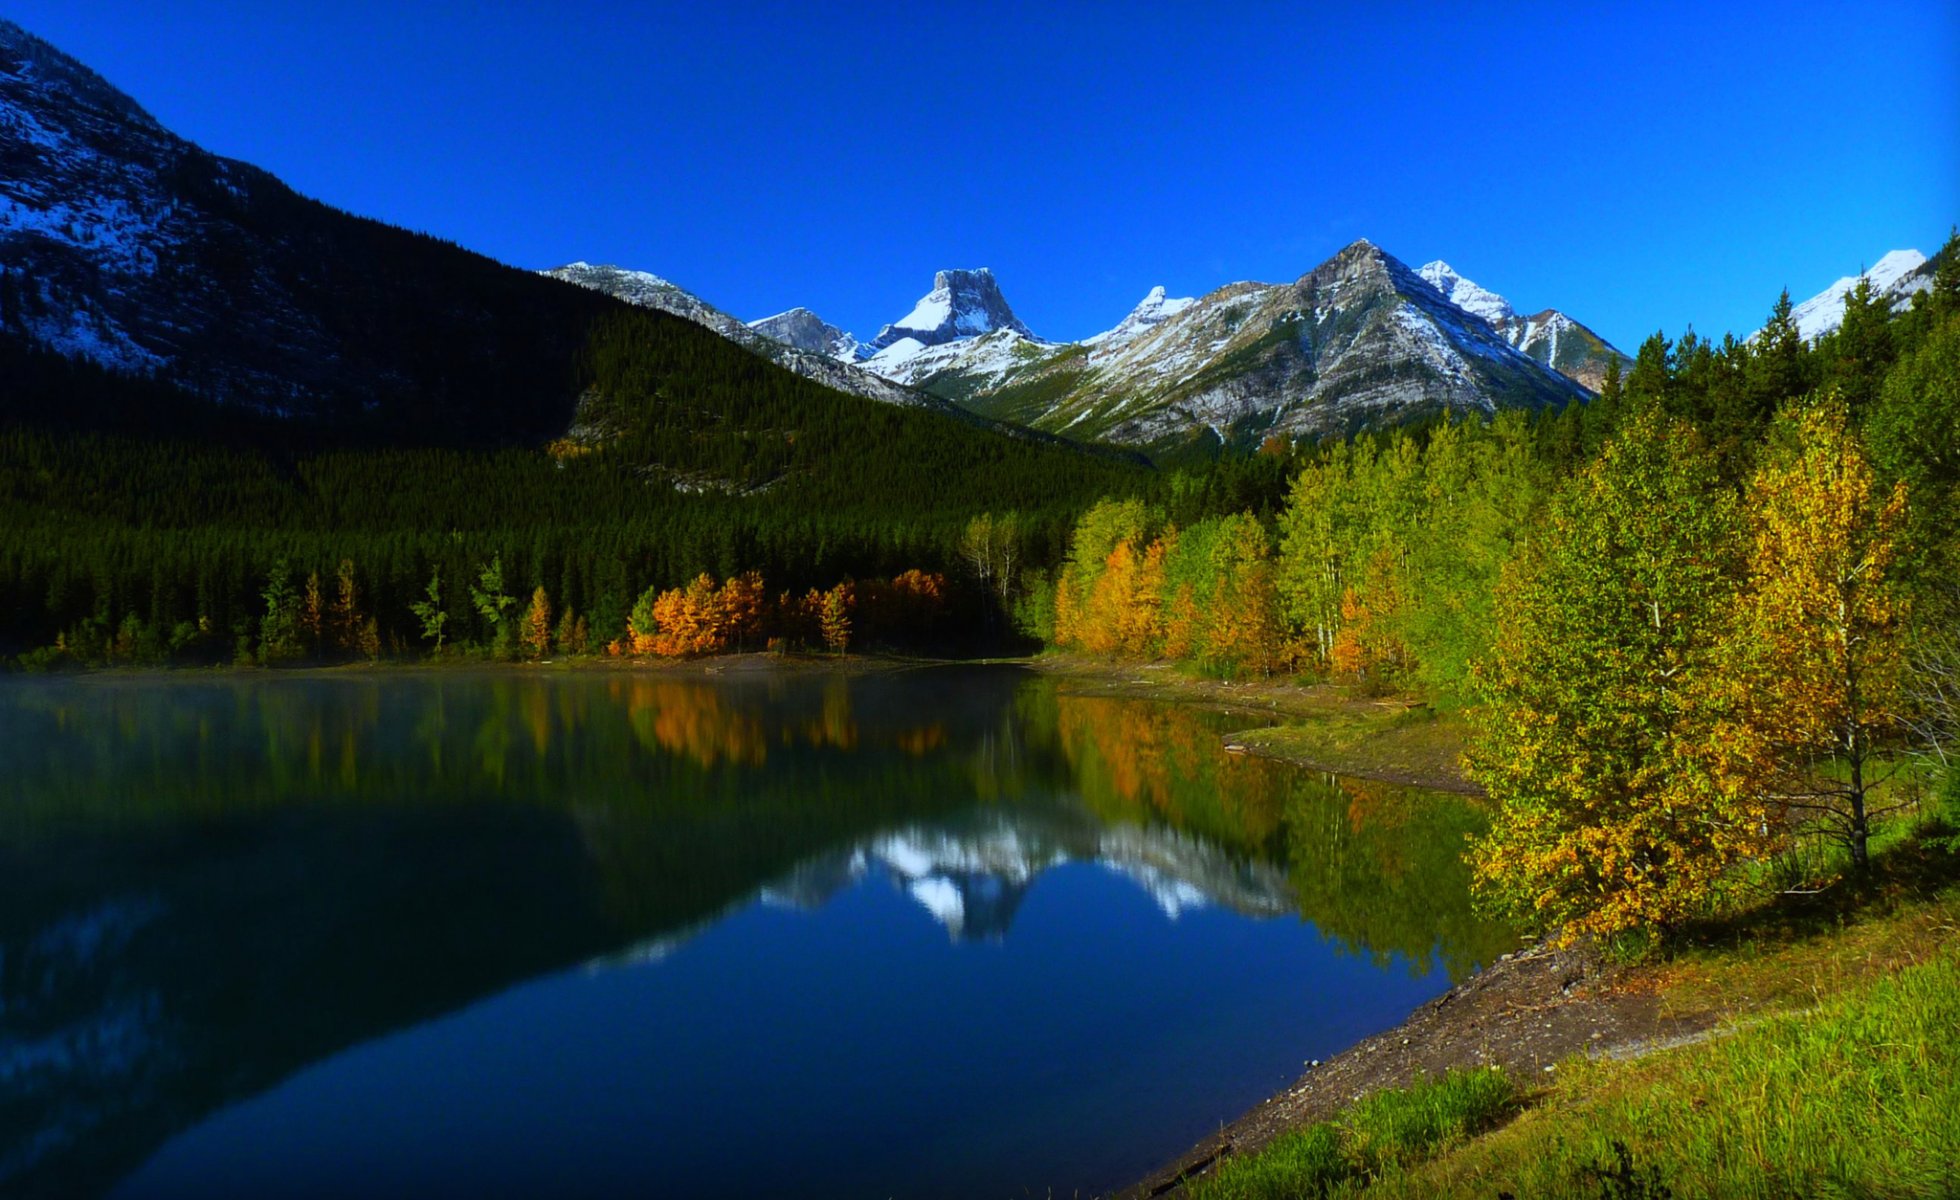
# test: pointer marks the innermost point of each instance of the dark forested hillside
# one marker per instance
(125, 245)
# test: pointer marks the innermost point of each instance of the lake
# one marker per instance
(948, 932)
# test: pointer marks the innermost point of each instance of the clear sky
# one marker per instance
(1650, 168)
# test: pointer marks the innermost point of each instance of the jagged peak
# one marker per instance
(981, 276)
(962, 304)
(1156, 307)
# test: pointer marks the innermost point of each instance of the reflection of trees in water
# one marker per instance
(88, 749)
(1376, 865)
(346, 856)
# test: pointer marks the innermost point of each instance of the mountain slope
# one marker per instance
(805, 330)
(125, 245)
(647, 290)
(1895, 279)
(1153, 310)
(1360, 341)
(1551, 337)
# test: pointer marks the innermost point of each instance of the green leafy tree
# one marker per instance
(280, 634)
(430, 611)
(494, 604)
(1589, 740)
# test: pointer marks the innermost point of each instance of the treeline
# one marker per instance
(1708, 609)
(691, 457)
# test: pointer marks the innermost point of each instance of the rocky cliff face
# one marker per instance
(961, 305)
(806, 331)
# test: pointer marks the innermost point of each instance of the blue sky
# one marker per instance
(1647, 168)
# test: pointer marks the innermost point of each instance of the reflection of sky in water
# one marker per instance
(851, 1050)
(510, 934)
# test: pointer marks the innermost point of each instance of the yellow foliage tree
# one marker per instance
(537, 623)
(1813, 683)
(836, 617)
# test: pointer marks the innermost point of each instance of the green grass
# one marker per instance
(1859, 1096)
(1387, 1133)
(1836, 1075)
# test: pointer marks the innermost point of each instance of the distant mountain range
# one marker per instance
(1361, 340)
(123, 245)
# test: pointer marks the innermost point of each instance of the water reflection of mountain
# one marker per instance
(206, 886)
(972, 878)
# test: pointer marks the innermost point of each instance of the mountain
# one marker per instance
(805, 330)
(815, 363)
(1360, 341)
(1895, 279)
(961, 305)
(1551, 337)
(1153, 310)
(124, 245)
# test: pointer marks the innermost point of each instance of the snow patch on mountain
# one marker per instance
(962, 304)
(1466, 294)
(1894, 279)
(1155, 309)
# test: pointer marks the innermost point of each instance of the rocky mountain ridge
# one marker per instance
(1220, 372)
(124, 245)
(647, 290)
(1550, 336)
(1360, 341)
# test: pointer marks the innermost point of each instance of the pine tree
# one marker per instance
(1778, 370)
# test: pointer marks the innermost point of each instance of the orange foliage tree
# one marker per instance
(537, 623)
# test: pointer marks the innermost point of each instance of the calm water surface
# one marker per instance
(949, 932)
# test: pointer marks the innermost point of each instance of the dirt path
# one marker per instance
(1524, 1013)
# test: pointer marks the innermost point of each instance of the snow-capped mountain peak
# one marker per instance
(962, 304)
(1467, 294)
(1894, 279)
(1155, 308)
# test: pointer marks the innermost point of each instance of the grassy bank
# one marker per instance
(1835, 1071)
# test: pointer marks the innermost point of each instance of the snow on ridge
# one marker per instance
(1824, 312)
(1154, 309)
(1466, 294)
